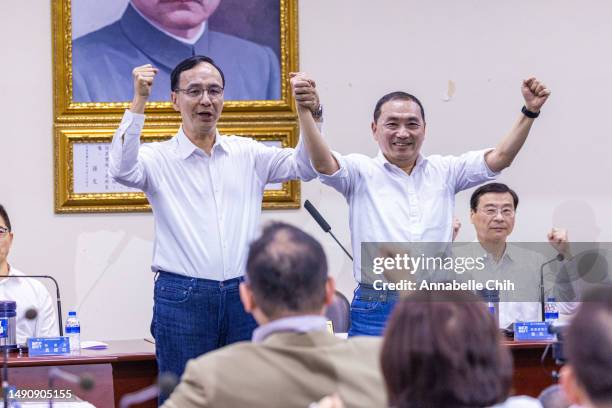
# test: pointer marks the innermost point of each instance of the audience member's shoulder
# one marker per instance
(234, 352)
(365, 342)
(521, 401)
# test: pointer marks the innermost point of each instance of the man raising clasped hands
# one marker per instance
(400, 195)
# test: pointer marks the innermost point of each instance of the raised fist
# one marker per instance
(535, 94)
(143, 79)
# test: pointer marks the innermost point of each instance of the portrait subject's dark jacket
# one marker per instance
(102, 62)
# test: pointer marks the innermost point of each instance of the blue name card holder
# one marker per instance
(48, 346)
(4, 327)
(532, 331)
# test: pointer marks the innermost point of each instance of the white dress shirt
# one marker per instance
(206, 207)
(521, 266)
(388, 205)
(30, 294)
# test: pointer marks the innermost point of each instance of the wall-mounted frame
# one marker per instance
(82, 183)
(92, 72)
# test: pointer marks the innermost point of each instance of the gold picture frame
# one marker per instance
(81, 127)
(78, 191)
(66, 110)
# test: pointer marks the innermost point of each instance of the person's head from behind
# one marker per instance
(197, 85)
(177, 15)
(399, 127)
(587, 376)
(286, 275)
(442, 349)
(492, 210)
(6, 237)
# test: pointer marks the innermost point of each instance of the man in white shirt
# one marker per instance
(206, 192)
(29, 294)
(401, 195)
(492, 212)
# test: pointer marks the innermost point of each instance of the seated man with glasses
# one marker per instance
(206, 192)
(27, 293)
(493, 213)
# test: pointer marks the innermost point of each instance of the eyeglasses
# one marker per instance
(492, 212)
(213, 92)
(4, 232)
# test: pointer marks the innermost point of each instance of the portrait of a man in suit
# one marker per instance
(164, 32)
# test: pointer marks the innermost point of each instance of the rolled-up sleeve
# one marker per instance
(342, 180)
(470, 169)
(124, 164)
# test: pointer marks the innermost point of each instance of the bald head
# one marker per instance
(287, 271)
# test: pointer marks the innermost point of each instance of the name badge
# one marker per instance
(48, 346)
(532, 331)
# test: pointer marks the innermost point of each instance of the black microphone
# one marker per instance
(31, 314)
(57, 290)
(165, 385)
(323, 224)
(559, 258)
(85, 381)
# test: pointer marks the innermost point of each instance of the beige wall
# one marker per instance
(356, 52)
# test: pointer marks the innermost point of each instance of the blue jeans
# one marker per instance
(370, 310)
(192, 316)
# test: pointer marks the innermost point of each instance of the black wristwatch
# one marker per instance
(529, 113)
(318, 113)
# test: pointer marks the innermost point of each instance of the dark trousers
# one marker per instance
(370, 310)
(192, 316)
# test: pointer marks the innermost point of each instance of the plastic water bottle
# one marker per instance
(494, 310)
(551, 311)
(73, 331)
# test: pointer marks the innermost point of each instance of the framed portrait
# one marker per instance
(96, 44)
(82, 182)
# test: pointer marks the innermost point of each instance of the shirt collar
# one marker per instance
(295, 324)
(380, 158)
(191, 40)
(160, 48)
(509, 252)
(186, 146)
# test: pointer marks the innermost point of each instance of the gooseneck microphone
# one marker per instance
(323, 224)
(558, 258)
(165, 385)
(85, 381)
(57, 291)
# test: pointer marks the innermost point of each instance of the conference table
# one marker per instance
(125, 366)
(531, 374)
(129, 365)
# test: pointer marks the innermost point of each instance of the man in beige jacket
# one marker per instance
(292, 360)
